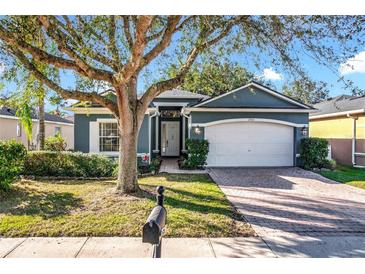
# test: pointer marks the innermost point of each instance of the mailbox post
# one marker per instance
(154, 226)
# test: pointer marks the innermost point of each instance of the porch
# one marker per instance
(170, 165)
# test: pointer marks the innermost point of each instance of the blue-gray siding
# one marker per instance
(206, 117)
(250, 97)
(82, 132)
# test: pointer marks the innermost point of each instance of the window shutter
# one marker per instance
(94, 137)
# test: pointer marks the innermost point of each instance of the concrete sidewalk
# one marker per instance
(123, 247)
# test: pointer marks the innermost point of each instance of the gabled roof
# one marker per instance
(260, 87)
(169, 94)
(340, 105)
(179, 93)
(11, 113)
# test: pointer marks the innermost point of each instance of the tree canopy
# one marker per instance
(214, 78)
(120, 51)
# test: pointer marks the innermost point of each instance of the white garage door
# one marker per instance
(250, 144)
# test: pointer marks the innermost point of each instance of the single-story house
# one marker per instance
(12, 129)
(341, 120)
(250, 126)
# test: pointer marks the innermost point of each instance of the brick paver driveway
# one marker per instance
(295, 210)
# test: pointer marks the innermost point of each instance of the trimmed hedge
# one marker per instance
(197, 154)
(314, 152)
(72, 164)
(12, 156)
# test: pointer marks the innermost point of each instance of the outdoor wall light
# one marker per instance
(304, 131)
(197, 130)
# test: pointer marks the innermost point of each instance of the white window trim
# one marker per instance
(280, 110)
(106, 121)
(18, 129)
(111, 153)
(259, 120)
(258, 87)
(60, 131)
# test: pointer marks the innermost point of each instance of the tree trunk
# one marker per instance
(128, 172)
(130, 121)
(41, 126)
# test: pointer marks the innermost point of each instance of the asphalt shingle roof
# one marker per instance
(178, 93)
(6, 111)
(340, 104)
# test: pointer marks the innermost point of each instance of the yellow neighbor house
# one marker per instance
(341, 121)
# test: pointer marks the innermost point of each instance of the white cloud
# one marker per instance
(270, 74)
(354, 64)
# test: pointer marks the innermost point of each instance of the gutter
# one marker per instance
(270, 110)
(344, 113)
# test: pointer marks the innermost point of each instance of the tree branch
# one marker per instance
(164, 43)
(159, 87)
(64, 93)
(54, 33)
(184, 22)
(129, 69)
(99, 57)
(127, 31)
(113, 47)
(38, 54)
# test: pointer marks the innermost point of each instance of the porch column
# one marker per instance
(156, 150)
(183, 133)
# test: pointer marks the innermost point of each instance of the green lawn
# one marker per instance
(348, 175)
(196, 208)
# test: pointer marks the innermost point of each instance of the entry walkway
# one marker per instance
(123, 247)
(170, 165)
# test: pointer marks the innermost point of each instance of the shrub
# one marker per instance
(197, 154)
(330, 164)
(55, 143)
(12, 155)
(314, 152)
(68, 164)
(155, 164)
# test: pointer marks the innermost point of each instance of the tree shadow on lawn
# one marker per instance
(46, 204)
(187, 201)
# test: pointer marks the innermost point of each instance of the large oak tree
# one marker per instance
(119, 50)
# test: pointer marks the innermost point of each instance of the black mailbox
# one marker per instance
(152, 230)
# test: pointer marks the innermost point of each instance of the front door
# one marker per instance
(170, 138)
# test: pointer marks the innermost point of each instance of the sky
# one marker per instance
(353, 69)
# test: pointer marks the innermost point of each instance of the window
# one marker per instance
(109, 137)
(170, 113)
(18, 130)
(57, 130)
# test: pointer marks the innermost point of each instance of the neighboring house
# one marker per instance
(11, 128)
(249, 126)
(341, 121)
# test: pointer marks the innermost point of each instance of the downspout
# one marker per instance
(353, 141)
(189, 125)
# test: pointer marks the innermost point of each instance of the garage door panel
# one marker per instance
(250, 144)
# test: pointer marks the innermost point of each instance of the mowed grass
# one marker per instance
(348, 175)
(196, 208)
